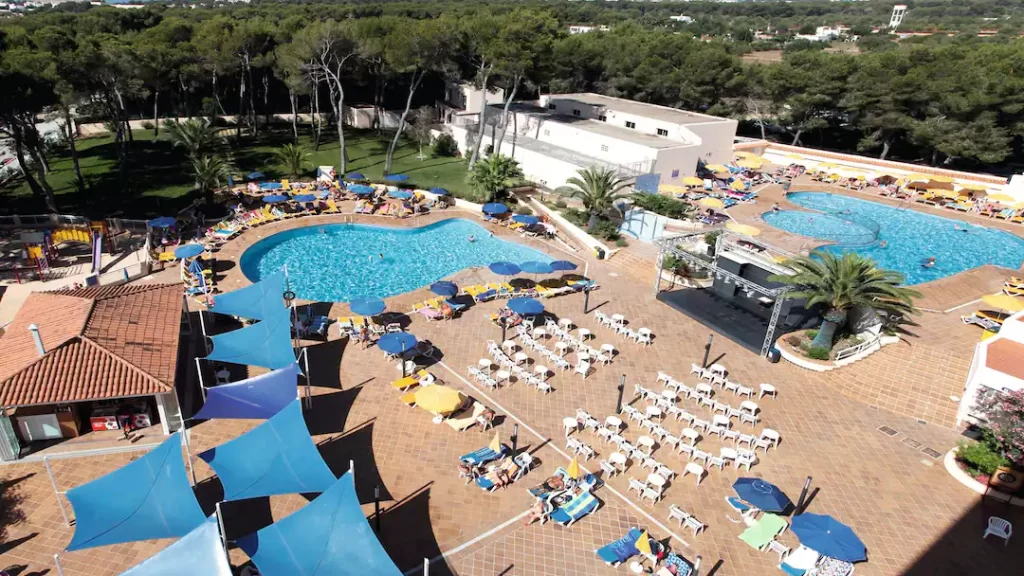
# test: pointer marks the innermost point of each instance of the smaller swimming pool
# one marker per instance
(900, 238)
(341, 262)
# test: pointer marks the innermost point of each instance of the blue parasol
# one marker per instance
(161, 222)
(400, 194)
(524, 306)
(495, 208)
(504, 268)
(525, 219)
(563, 265)
(761, 494)
(829, 537)
(367, 306)
(439, 191)
(189, 250)
(361, 190)
(444, 288)
(534, 267)
(304, 197)
(355, 176)
(396, 177)
(255, 175)
(397, 342)
(274, 198)
(323, 194)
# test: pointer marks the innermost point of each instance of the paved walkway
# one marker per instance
(913, 517)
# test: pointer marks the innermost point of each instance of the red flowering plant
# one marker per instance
(1005, 413)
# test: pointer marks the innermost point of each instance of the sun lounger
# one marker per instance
(568, 513)
(409, 399)
(982, 322)
(430, 313)
(682, 567)
(332, 208)
(1013, 291)
(485, 296)
(505, 473)
(761, 534)
(466, 418)
(404, 384)
(484, 455)
(799, 561)
(621, 550)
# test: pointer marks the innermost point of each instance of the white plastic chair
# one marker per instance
(608, 468)
(619, 460)
(767, 389)
(582, 368)
(637, 485)
(771, 435)
(651, 493)
(778, 548)
(692, 522)
(643, 336)
(1000, 528)
(677, 513)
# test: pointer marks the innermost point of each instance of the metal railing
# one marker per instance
(42, 220)
(854, 350)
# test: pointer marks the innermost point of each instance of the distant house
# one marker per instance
(74, 360)
(584, 28)
(682, 19)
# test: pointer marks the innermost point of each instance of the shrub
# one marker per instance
(979, 457)
(811, 334)
(605, 229)
(818, 352)
(794, 341)
(577, 217)
(1005, 412)
(445, 146)
(560, 204)
(711, 237)
(621, 242)
(522, 209)
(663, 205)
(147, 125)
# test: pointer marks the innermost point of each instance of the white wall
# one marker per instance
(681, 160)
(466, 96)
(362, 117)
(544, 170)
(577, 138)
(716, 139)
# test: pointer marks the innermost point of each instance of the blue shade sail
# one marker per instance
(254, 300)
(258, 397)
(276, 457)
(329, 535)
(147, 499)
(267, 343)
(198, 552)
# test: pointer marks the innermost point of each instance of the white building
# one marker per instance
(824, 33)
(681, 18)
(584, 28)
(462, 101)
(898, 12)
(558, 135)
(998, 366)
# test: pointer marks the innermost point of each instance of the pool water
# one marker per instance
(341, 262)
(910, 237)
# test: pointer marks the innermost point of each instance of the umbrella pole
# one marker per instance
(803, 495)
(515, 438)
(402, 359)
(622, 387)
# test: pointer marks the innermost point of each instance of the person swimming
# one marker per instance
(959, 229)
(775, 208)
(929, 263)
(883, 244)
(472, 238)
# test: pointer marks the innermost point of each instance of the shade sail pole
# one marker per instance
(220, 528)
(202, 387)
(426, 567)
(56, 492)
(56, 561)
(188, 451)
(202, 325)
(309, 385)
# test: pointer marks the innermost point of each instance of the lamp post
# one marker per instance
(622, 387)
(707, 350)
(586, 298)
(515, 438)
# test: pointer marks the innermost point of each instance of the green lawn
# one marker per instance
(157, 182)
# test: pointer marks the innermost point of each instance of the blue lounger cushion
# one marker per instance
(622, 549)
(483, 455)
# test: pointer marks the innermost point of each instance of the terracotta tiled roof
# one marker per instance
(1006, 356)
(101, 342)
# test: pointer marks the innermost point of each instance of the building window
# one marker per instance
(662, 132)
(675, 173)
(630, 124)
(575, 112)
(602, 118)
(604, 147)
(547, 132)
(551, 106)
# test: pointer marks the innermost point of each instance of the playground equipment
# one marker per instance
(41, 247)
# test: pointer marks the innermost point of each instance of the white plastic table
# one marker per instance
(565, 323)
(613, 422)
(749, 407)
(768, 389)
(502, 375)
(691, 435)
(539, 333)
(584, 333)
(669, 395)
(509, 345)
(728, 453)
(541, 371)
(571, 424)
(608, 349)
(520, 357)
(562, 347)
(618, 318)
(653, 412)
(485, 364)
(646, 442)
(717, 369)
(656, 480)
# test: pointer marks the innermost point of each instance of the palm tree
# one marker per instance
(294, 158)
(209, 172)
(493, 176)
(842, 283)
(197, 136)
(598, 188)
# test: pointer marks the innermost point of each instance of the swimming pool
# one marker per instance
(909, 237)
(341, 262)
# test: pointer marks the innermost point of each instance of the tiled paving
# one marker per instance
(914, 518)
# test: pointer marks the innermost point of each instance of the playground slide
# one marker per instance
(97, 252)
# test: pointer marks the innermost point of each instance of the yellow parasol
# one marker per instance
(671, 189)
(438, 399)
(942, 192)
(794, 156)
(974, 187)
(643, 545)
(693, 181)
(932, 183)
(737, 186)
(574, 469)
(749, 163)
(945, 179)
(1004, 302)
(745, 154)
(827, 165)
(744, 229)
(711, 203)
(716, 168)
(496, 443)
(918, 177)
(1003, 198)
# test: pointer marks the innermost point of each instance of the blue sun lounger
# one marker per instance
(577, 508)
(683, 568)
(484, 455)
(621, 550)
